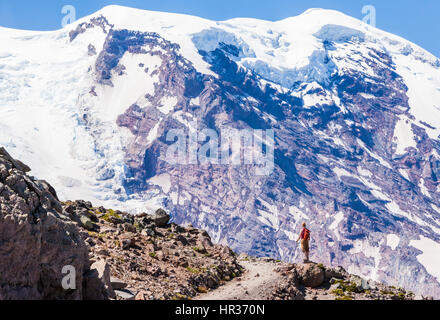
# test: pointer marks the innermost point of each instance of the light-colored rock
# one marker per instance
(360, 283)
(125, 294)
(148, 232)
(117, 284)
(310, 274)
(334, 286)
(86, 223)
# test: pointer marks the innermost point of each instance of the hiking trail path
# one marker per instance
(257, 283)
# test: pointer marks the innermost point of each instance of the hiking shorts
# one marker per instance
(305, 245)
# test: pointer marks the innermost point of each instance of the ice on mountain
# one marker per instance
(319, 69)
(404, 136)
(168, 104)
(393, 241)
(338, 33)
(105, 174)
(214, 38)
(163, 181)
(429, 257)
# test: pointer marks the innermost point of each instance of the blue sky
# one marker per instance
(414, 20)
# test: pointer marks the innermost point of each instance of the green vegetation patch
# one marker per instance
(344, 298)
(202, 289)
(347, 286)
(192, 270)
(386, 292)
(338, 292)
(179, 296)
(110, 213)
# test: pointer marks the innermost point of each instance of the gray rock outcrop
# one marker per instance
(36, 239)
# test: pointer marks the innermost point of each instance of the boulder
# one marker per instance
(102, 210)
(86, 223)
(338, 273)
(70, 209)
(115, 220)
(372, 285)
(98, 282)
(84, 204)
(148, 232)
(117, 284)
(125, 295)
(361, 284)
(128, 227)
(177, 229)
(204, 240)
(160, 218)
(335, 286)
(15, 163)
(310, 275)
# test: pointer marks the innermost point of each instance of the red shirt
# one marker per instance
(303, 233)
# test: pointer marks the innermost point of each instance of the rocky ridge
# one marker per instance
(149, 258)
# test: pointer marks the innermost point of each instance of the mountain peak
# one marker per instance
(321, 11)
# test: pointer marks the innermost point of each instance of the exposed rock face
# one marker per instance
(36, 239)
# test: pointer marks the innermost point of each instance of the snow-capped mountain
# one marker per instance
(355, 113)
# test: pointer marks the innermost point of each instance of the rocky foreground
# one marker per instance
(119, 256)
(114, 255)
(150, 259)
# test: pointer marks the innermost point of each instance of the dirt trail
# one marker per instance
(257, 283)
(265, 279)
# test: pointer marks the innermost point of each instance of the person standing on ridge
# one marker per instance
(304, 236)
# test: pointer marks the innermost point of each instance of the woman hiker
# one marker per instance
(304, 236)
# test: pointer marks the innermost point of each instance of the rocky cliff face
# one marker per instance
(36, 239)
(356, 150)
